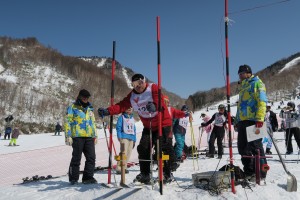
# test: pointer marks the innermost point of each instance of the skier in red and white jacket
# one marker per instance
(144, 100)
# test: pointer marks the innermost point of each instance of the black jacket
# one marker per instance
(273, 120)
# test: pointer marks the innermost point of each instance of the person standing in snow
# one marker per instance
(251, 110)
(218, 132)
(7, 132)
(126, 133)
(14, 136)
(290, 115)
(176, 114)
(272, 126)
(179, 130)
(57, 129)
(207, 128)
(144, 99)
(80, 132)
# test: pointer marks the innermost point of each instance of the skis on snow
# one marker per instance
(112, 193)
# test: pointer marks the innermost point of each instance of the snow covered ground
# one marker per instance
(45, 154)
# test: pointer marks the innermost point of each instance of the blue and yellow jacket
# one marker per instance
(252, 100)
(80, 121)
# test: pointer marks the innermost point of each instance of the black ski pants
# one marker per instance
(288, 139)
(167, 148)
(6, 135)
(86, 146)
(246, 148)
(217, 133)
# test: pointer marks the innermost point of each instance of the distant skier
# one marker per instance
(126, 133)
(57, 129)
(218, 132)
(7, 132)
(272, 126)
(14, 136)
(290, 115)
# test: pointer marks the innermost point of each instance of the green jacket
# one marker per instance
(252, 100)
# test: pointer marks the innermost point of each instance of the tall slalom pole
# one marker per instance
(160, 164)
(228, 98)
(111, 117)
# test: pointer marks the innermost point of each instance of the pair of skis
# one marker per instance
(112, 193)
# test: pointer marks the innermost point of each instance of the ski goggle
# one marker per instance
(136, 83)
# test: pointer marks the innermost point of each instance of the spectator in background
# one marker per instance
(272, 126)
(7, 132)
(207, 128)
(57, 128)
(179, 130)
(290, 115)
(14, 136)
(80, 132)
(218, 132)
(126, 133)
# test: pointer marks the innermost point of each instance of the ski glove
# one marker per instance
(259, 124)
(69, 141)
(103, 112)
(151, 107)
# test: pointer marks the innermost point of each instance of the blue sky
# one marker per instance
(192, 34)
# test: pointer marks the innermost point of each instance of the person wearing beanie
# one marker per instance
(218, 131)
(80, 133)
(143, 98)
(251, 110)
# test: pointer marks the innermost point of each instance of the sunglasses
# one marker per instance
(137, 83)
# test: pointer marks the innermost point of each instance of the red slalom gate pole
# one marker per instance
(111, 117)
(228, 98)
(160, 170)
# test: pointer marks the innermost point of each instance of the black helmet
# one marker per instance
(221, 106)
(291, 104)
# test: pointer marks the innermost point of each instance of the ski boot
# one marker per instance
(142, 178)
(168, 178)
(89, 181)
(268, 152)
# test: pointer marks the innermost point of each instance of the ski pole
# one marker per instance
(111, 117)
(200, 137)
(193, 144)
(288, 139)
(159, 141)
(228, 98)
(104, 127)
(151, 152)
